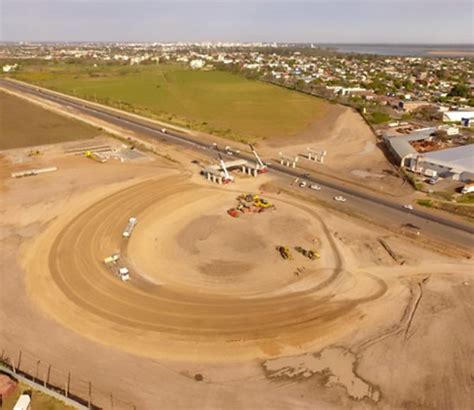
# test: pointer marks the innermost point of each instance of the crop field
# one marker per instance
(221, 103)
(24, 124)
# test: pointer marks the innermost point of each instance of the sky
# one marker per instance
(317, 21)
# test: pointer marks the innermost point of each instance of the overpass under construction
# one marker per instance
(219, 173)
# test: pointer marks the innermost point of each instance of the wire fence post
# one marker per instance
(37, 370)
(90, 395)
(111, 401)
(46, 376)
(19, 360)
(68, 382)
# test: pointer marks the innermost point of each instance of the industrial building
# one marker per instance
(456, 163)
(458, 116)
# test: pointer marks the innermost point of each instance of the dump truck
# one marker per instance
(130, 226)
(233, 212)
(284, 252)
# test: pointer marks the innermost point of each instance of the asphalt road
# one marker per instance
(374, 206)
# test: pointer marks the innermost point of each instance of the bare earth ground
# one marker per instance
(351, 149)
(210, 297)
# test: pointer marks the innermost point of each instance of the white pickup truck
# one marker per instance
(128, 230)
(124, 274)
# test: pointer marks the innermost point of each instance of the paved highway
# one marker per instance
(374, 206)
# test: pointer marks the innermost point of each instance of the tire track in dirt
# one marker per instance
(75, 265)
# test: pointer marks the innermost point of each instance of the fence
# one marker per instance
(56, 381)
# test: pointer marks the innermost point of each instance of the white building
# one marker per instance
(458, 116)
(197, 64)
(7, 68)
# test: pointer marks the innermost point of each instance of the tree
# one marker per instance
(460, 90)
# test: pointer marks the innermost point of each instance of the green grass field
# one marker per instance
(221, 103)
(24, 124)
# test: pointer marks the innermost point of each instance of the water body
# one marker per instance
(415, 50)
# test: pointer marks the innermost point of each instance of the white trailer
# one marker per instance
(32, 172)
(23, 403)
(129, 228)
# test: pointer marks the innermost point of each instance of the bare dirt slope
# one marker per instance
(351, 151)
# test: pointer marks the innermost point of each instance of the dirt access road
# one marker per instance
(258, 335)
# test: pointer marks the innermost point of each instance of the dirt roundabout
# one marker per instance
(202, 283)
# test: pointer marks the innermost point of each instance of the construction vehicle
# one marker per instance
(261, 202)
(308, 253)
(35, 153)
(233, 212)
(284, 252)
(123, 273)
(112, 259)
(261, 166)
(340, 198)
(129, 228)
(96, 156)
(226, 176)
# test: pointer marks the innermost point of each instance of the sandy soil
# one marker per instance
(209, 295)
(352, 153)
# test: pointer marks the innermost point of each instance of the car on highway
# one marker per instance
(302, 184)
(340, 198)
(408, 206)
(315, 187)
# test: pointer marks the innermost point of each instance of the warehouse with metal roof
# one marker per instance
(456, 163)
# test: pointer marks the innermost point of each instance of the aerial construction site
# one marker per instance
(147, 268)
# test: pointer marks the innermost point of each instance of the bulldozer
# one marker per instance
(284, 252)
(308, 253)
(35, 153)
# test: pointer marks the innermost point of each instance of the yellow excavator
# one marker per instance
(309, 253)
(284, 252)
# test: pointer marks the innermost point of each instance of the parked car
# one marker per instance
(408, 206)
(340, 198)
(302, 184)
(315, 187)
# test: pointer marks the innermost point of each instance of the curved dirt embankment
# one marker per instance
(257, 307)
